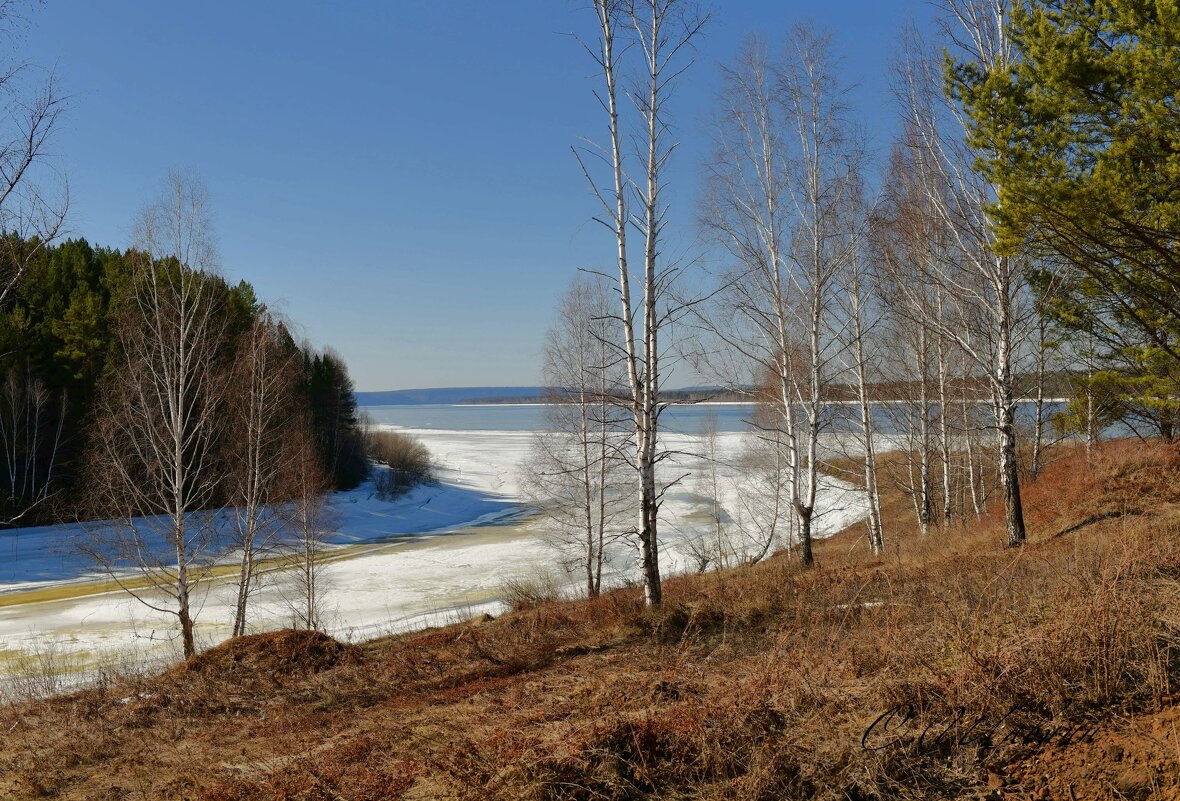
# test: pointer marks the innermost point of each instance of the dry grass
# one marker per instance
(530, 591)
(756, 683)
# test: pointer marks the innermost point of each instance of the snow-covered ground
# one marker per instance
(438, 553)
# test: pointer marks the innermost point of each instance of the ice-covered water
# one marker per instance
(440, 551)
(842, 418)
(680, 418)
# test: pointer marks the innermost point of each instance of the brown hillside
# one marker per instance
(1045, 672)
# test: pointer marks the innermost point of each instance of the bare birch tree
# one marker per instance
(987, 293)
(160, 418)
(574, 471)
(780, 189)
(746, 208)
(824, 184)
(309, 521)
(818, 182)
(904, 240)
(764, 517)
(262, 392)
(857, 298)
(1043, 347)
(712, 546)
(660, 33)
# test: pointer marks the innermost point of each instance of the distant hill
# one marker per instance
(1058, 384)
(468, 395)
(408, 397)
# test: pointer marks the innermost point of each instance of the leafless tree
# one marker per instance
(31, 218)
(1043, 348)
(942, 362)
(32, 212)
(862, 315)
(780, 190)
(31, 423)
(712, 546)
(745, 337)
(310, 521)
(574, 473)
(904, 349)
(660, 33)
(154, 464)
(747, 209)
(262, 386)
(906, 237)
(825, 168)
(967, 409)
(1090, 416)
(763, 518)
(987, 314)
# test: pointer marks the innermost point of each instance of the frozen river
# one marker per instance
(438, 553)
(679, 419)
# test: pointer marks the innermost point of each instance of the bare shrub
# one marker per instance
(406, 461)
(41, 672)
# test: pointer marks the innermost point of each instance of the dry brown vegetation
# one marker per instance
(406, 462)
(756, 683)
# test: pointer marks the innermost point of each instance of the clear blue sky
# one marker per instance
(394, 176)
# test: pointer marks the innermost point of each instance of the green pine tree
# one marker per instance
(1085, 131)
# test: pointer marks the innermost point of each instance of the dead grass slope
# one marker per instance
(948, 668)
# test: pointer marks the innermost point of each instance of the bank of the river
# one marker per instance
(443, 550)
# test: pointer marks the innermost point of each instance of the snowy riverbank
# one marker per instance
(442, 550)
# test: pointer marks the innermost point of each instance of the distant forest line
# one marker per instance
(1056, 384)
